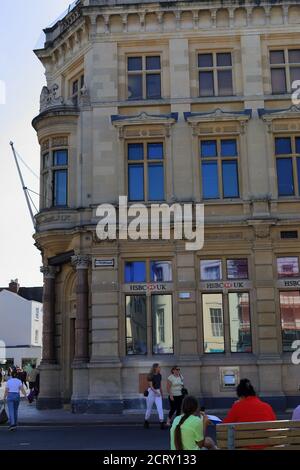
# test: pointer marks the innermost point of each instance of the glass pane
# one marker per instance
(136, 324)
(298, 173)
(225, 82)
(162, 321)
(288, 266)
(283, 146)
(135, 271)
(294, 74)
(239, 317)
(290, 318)
(136, 182)
(60, 188)
(294, 56)
(46, 201)
(153, 63)
(278, 81)
(206, 84)
(155, 151)
(237, 268)
(224, 59)
(276, 57)
(205, 60)
(228, 148)
(211, 269)
(135, 87)
(135, 63)
(297, 144)
(60, 157)
(208, 148)
(285, 180)
(230, 178)
(135, 152)
(213, 323)
(156, 182)
(46, 160)
(210, 185)
(161, 271)
(153, 86)
(75, 87)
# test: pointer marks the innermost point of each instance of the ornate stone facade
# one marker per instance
(92, 120)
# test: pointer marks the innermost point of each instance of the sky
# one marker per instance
(21, 25)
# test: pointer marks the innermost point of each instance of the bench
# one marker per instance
(270, 435)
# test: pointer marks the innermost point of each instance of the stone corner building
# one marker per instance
(180, 101)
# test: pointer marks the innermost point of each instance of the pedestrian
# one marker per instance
(12, 394)
(31, 377)
(155, 395)
(296, 414)
(188, 430)
(174, 389)
(1, 377)
(249, 408)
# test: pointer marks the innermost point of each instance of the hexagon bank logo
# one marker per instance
(154, 222)
(2, 92)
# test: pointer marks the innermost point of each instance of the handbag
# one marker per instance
(184, 391)
(146, 393)
(3, 416)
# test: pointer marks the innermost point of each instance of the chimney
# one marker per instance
(14, 286)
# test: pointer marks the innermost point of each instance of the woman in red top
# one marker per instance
(249, 408)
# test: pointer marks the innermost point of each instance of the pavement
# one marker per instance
(29, 415)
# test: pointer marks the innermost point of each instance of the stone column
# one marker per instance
(49, 273)
(82, 303)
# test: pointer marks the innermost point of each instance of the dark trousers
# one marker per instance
(175, 405)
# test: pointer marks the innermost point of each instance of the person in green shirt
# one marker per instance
(188, 430)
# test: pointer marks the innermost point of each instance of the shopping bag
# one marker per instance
(3, 416)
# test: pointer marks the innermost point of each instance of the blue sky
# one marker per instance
(21, 24)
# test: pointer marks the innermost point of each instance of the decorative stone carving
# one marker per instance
(49, 271)
(80, 261)
(49, 98)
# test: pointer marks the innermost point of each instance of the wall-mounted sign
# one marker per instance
(184, 295)
(148, 288)
(283, 283)
(104, 263)
(225, 285)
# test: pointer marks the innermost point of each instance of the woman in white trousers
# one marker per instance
(155, 395)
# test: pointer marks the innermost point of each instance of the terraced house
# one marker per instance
(172, 101)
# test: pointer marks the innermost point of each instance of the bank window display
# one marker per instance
(287, 153)
(285, 69)
(288, 266)
(219, 168)
(236, 307)
(144, 77)
(151, 310)
(236, 269)
(239, 321)
(55, 174)
(213, 323)
(162, 324)
(290, 318)
(136, 324)
(215, 74)
(146, 180)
